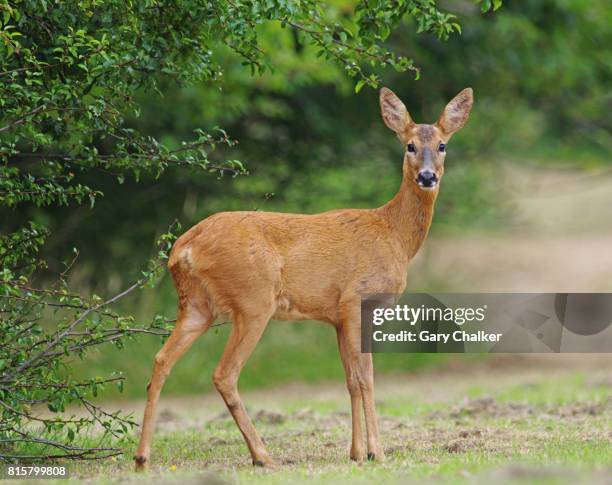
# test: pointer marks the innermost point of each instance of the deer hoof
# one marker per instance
(378, 456)
(140, 463)
(358, 456)
(266, 462)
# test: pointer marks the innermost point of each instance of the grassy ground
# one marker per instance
(546, 418)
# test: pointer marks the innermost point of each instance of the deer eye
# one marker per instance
(411, 148)
(442, 147)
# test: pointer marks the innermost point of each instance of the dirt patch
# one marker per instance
(489, 439)
(458, 446)
(489, 407)
(467, 433)
(580, 409)
(269, 417)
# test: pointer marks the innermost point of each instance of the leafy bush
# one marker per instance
(35, 357)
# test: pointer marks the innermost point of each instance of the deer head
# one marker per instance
(425, 144)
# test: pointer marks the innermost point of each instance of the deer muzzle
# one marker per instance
(427, 179)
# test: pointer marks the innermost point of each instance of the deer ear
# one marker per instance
(394, 113)
(456, 112)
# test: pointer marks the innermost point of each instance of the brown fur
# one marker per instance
(251, 267)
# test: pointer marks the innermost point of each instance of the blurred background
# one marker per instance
(525, 204)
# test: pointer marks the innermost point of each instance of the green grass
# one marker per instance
(553, 430)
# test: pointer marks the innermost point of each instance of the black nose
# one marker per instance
(426, 178)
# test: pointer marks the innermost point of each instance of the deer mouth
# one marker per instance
(427, 185)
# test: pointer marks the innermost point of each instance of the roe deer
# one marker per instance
(255, 266)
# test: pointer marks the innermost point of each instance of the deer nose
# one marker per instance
(427, 178)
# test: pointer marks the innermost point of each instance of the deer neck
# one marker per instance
(409, 214)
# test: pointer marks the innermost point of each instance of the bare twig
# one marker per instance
(71, 327)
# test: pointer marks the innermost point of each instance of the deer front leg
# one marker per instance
(352, 383)
(362, 368)
(243, 339)
(375, 451)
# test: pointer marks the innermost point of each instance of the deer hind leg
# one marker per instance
(191, 323)
(246, 332)
(362, 367)
(352, 383)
